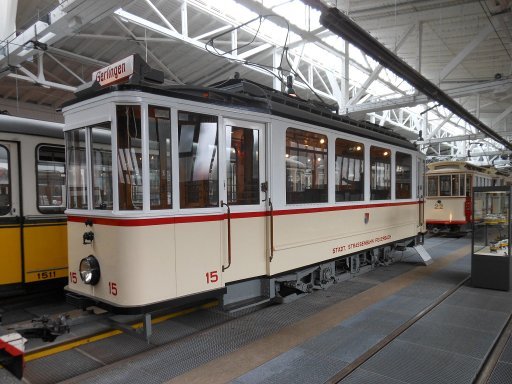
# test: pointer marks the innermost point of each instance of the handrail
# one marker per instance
(421, 213)
(271, 228)
(222, 203)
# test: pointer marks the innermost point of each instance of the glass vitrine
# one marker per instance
(490, 257)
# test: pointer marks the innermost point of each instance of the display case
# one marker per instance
(490, 257)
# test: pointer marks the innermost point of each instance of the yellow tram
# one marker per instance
(32, 202)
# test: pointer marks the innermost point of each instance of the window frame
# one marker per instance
(391, 172)
(65, 196)
(362, 174)
(9, 181)
(244, 125)
(219, 157)
(325, 191)
(397, 153)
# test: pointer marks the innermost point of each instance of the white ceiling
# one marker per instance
(463, 46)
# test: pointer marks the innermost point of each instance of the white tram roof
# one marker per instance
(239, 94)
(25, 126)
(442, 167)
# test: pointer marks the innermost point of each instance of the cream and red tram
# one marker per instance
(450, 184)
(178, 192)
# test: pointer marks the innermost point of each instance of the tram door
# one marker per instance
(10, 222)
(244, 250)
(421, 191)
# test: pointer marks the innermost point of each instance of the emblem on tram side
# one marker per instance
(438, 204)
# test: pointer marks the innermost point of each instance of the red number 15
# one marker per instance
(212, 277)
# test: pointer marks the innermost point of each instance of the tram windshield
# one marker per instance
(76, 167)
(198, 160)
(449, 185)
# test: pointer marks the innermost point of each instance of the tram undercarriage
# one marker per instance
(290, 286)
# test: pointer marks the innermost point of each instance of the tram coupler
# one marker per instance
(12, 351)
(46, 329)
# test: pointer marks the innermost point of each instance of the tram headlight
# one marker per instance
(90, 270)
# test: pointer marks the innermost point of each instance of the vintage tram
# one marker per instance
(448, 206)
(32, 202)
(182, 192)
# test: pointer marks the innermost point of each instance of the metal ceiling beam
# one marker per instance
(376, 22)
(481, 36)
(409, 101)
(64, 20)
(375, 74)
(340, 24)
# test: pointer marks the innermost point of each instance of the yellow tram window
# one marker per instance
(242, 165)
(306, 167)
(199, 180)
(76, 169)
(160, 182)
(380, 180)
(101, 158)
(5, 182)
(349, 170)
(129, 157)
(51, 179)
(403, 176)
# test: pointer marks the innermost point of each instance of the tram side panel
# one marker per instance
(33, 241)
(10, 272)
(44, 229)
(248, 247)
(137, 261)
(305, 239)
(198, 257)
(445, 210)
(45, 246)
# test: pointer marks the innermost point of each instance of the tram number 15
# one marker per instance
(212, 277)
(112, 288)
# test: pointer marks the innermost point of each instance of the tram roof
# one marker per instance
(248, 95)
(13, 124)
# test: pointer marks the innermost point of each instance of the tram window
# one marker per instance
(403, 176)
(306, 167)
(129, 157)
(242, 165)
(349, 170)
(433, 182)
(160, 182)
(5, 182)
(468, 185)
(199, 180)
(76, 168)
(380, 165)
(101, 142)
(51, 179)
(455, 185)
(445, 185)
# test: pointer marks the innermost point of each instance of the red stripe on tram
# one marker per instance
(139, 222)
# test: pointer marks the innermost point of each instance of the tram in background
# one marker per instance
(448, 206)
(33, 236)
(179, 192)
